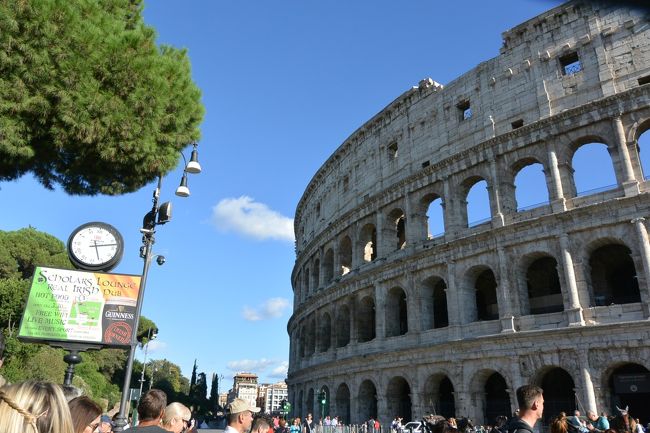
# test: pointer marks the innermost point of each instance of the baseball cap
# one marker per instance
(241, 405)
(106, 418)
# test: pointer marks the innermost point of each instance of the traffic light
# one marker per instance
(323, 398)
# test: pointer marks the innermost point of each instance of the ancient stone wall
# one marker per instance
(390, 319)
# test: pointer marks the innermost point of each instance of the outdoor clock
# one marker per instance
(95, 246)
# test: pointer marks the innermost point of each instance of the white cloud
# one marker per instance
(280, 372)
(271, 309)
(246, 216)
(250, 365)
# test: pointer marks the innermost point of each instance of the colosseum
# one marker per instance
(391, 318)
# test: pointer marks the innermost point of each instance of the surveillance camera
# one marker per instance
(160, 260)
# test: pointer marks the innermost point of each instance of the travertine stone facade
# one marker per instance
(389, 320)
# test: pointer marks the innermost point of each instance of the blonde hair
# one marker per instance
(175, 410)
(36, 407)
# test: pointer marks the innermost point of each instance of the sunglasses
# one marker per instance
(187, 424)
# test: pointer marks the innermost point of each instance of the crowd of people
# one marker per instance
(45, 407)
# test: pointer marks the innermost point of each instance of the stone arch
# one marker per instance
(476, 200)
(433, 301)
(316, 275)
(366, 319)
(398, 398)
(345, 255)
(296, 287)
(559, 391)
(438, 395)
(367, 398)
(530, 184)
(591, 153)
(310, 401)
(368, 242)
(642, 139)
(302, 341)
(497, 398)
(613, 274)
(305, 283)
(342, 402)
(328, 266)
(397, 228)
(485, 284)
(343, 326)
(396, 312)
(311, 337)
(544, 293)
(627, 384)
(432, 206)
(325, 333)
(300, 405)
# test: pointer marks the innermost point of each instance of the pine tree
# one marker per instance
(88, 100)
(193, 382)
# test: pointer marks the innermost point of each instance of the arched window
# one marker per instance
(487, 307)
(397, 219)
(366, 319)
(305, 283)
(497, 400)
(558, 389)
(328, 266)
(367, 401)
(643, 147)
(325, 334)
(530, 186)
(369, 242)
(434, 303)
(398, 397)
(613, 276)
(435, 216)
(593, 158)
(345, 254)
(544, 292)
(343, 326)
(478, 203)
(620, 382)
(446, 400)
(311, 338)
(316, 283)
(396, 313)
(343, 403)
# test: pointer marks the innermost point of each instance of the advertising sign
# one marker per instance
(76, 306)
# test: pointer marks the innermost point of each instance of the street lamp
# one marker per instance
(158, 215)
(150, 336)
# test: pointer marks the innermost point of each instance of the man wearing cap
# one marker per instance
(240, 416)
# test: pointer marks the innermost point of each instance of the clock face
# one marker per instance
(95, 246)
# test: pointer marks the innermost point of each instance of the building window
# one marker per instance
(317, 209)
(392, 151)
(346, 183)
(464, 110)
(570, 64)
(517, 124)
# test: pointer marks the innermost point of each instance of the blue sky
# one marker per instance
(284, 83)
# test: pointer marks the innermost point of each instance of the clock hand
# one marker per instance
(96, 249)
(106, 245)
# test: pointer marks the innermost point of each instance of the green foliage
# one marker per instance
(144, 325)
(87, 99)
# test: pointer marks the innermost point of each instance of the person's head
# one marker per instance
(105, 424)
(592, 415)
(261, 424)
(309, 418)
(530, 399)
(241, 414)
(296, 421)
(576, 412)
(282, 422)
(152, 405)
(34, 407)
(71, 392)
(85, 415)
(177, 418)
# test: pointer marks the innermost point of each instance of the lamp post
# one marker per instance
(158, 215)
(150, 336)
